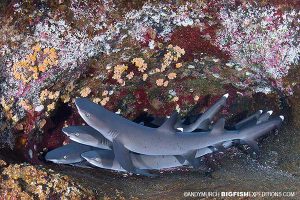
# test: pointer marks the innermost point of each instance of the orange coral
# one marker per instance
(85, 92)
(118, 71)
(160, 82)
(140, 64)
(172, 75)
(173, 54)
(35, 63)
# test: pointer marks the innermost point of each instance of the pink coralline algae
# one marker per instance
(262, 41)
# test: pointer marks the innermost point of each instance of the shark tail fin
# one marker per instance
(264, 117)
(249, 121)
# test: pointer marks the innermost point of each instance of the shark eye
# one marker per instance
(65, 157)
(88, 115)
(77, 134)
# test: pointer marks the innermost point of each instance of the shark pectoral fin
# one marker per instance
(218, 127)
(220, 147)
(122, 154)
(190, 157)
(180, 159)
(169, 125)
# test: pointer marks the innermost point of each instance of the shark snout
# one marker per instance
(53, 157)
(49, 158)
(90, 156)
(84, 106)
(80, 102)
(70, 132)
(66, 131)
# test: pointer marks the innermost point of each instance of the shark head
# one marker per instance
(66, 154)
(92, 157)
(100, 158)
(95, 116)
(58, 157)
(82, 135)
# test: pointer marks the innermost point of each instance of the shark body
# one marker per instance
(106, 159)
(128, 136)
(89, 136)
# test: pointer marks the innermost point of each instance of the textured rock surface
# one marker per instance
(24, 181)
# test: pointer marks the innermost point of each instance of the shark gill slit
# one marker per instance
(113, 133)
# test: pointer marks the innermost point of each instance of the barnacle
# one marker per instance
(51, 106)
(166, 83)
(175, 99)
(7, 105)
(178, 65)
(96, 100)
(70, 87)
(53, 95)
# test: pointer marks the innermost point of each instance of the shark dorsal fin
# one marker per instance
(169, 124)
(218, 127)
(204, 125)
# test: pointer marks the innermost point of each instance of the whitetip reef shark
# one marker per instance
(127, 136)
(106, 159)
(89, 136)
(68, 154)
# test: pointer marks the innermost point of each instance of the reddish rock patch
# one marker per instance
(193, 41)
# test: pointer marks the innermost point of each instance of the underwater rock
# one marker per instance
(25, 181)
(54, 51)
